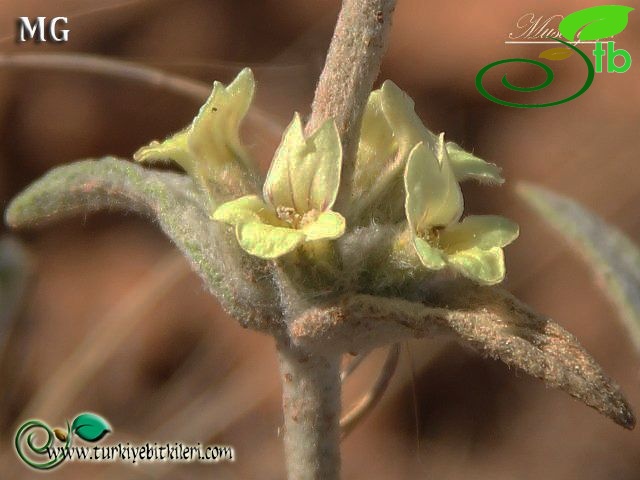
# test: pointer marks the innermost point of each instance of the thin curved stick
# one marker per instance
(353, 365)
(370, 399)
(85, 63)
(108, 334)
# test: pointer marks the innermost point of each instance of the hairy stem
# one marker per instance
(351, 67)
(311, 404)
(311, 382)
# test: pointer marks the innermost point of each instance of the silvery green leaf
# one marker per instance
(613, 257)
(487, 319)
(173, 200)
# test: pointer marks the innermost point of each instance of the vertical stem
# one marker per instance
(311, 382)
(351, 67)
(311, 404)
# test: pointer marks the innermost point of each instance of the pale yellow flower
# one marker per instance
(434, 206)
(298, 194)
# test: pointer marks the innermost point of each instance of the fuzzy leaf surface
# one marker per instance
(486, 318)
(171, 199)
(613, 257)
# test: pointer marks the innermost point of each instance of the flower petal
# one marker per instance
(278, 186)
(431, 257)
(213, 139)
(485, 267)
(215, 132)
(433, 194)
(482, 231)
(399, 109)
(377, 194)
(376, 147)
(173, 148)
(467, 166)
(328, 226)
(266, 241)
(247, 209)
(305, 172)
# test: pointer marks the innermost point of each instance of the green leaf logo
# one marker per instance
(90, 427)
(595, 23)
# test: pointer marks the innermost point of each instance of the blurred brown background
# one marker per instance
(173, 367)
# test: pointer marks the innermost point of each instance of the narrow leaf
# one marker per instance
(486, 318)
(173, 200)
(613, 257)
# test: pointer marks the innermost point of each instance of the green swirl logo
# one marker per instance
(593, 23)
(546, 83)
(41, 450)
(45, 453)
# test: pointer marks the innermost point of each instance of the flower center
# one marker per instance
(431, 235)
(289, 215)
(295, 219)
